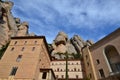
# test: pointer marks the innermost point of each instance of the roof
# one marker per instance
(35, 37)
(65, 60)
(28, 37)
(106, 39)
(70, 79)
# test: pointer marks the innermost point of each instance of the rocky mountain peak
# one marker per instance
(9, 25)
(61, 38)
(63, 44)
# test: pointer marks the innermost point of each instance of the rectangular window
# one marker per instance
(44, 75)
(35, 42)
(14, 70)
(25, 42)
(90, 75)
(77, 76)
(33, 48)
(22, 49)
(76, 63)
(56, 76)
(12, 48)
(19, 58)
(97, 61)
(74, 69)
(62, 76)
(86, 56)
(57, 69)
(101, 72)
(15, 43)
(88, 63)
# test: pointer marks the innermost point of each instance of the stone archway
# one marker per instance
(113, 58)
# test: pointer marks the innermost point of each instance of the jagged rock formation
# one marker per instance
(72, 46)
(22, 29)
(77, 42)
(9, 25)
(61, 44)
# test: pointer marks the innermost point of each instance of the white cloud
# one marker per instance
(86, 13)
(47, 15)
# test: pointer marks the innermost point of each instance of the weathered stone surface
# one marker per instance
(17, 20)
(10, 26)
(23, 29)
(70, 48)
(89, 42)
(60, 48)
(77, 42)
(62, 44)
(11, 22)
(61, 38)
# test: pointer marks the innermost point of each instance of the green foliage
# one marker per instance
(2, 50)
(60, 54)
(87, 78)
(50, 48)
(77, 56)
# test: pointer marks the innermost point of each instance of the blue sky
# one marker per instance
(90, 19)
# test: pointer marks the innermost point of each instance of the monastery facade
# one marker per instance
(28, 58)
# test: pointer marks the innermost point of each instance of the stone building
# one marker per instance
(102, 59)
(75, 71)
(26, 58)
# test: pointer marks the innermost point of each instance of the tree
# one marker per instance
(3, 49)
(77, 56)
(66, 54)
(60, 54)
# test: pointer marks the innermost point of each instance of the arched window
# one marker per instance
(57, 69)
(113, 58)
(74, 69)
